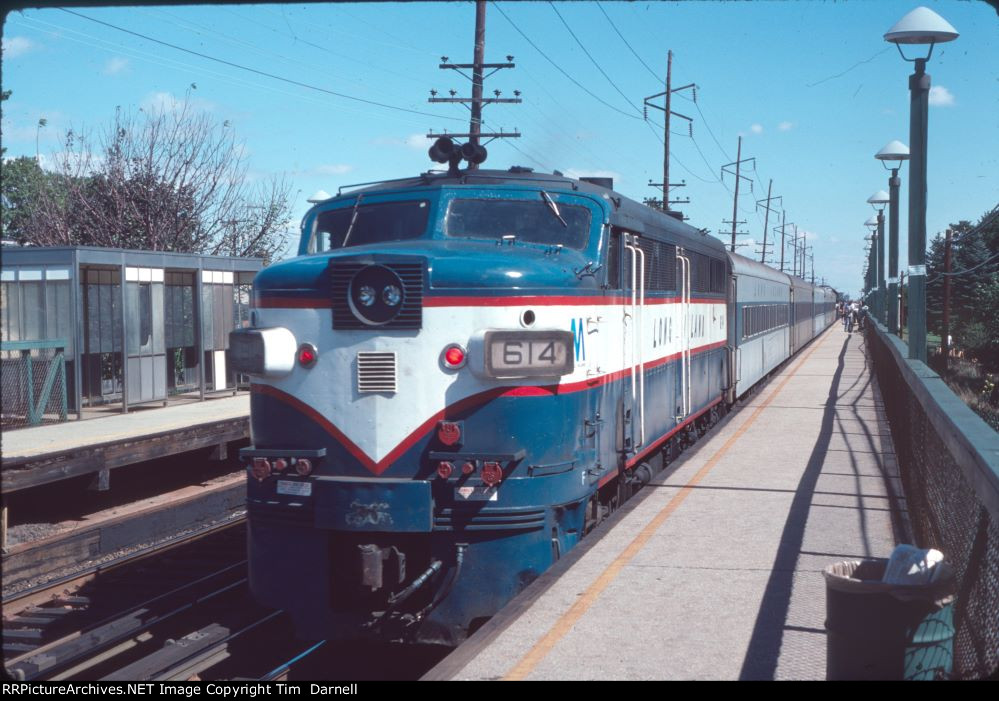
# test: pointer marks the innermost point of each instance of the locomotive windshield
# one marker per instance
(527, 220)
(364, 224)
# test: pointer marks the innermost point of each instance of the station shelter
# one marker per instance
(85, 327)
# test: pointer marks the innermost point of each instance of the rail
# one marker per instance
(949, 463)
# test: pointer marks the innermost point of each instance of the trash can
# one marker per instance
(877, 630)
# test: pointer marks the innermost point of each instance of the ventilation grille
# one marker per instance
(411, 274)
(376, 372)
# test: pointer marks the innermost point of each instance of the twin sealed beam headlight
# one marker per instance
(376, 295)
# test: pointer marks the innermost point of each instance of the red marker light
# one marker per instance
(454, 356)
(448, 432)
(468, 468)
(307, 355)
(492, 473)
(261, 469)
(303, 466)
(280, 465)
(444, 469)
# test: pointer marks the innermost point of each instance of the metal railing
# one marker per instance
(949, 463)
(33, 382)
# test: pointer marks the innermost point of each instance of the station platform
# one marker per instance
(43, 454)
(714, 571)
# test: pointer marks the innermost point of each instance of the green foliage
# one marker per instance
(974, 288)
(23, 181)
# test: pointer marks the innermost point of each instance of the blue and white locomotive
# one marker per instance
(462, 373)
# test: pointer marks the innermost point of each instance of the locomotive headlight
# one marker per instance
(376, 295)
(392, 296)
(366, 295)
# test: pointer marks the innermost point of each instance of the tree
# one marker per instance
(974, 282)
(23, 181)
(170, 179)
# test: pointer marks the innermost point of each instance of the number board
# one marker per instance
(528, 353)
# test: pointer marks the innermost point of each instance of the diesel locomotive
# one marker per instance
(462, 373)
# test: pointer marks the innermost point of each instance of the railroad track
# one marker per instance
(78, 624)
(178, 611)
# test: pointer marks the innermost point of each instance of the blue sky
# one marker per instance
(812, 88)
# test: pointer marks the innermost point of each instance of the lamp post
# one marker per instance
(921, 26)
(872, 262)
(894, 151)
(878, 200)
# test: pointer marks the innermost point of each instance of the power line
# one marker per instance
(590, 56)
(958, 273)
(635, 53)
(259, 72)
(559, 68)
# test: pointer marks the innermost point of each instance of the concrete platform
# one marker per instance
(715, 570)
(42, 454)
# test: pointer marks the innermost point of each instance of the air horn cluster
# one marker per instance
(445, 150)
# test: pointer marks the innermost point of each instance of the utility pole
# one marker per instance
(783, 246)
(668, 112)
(766, 217)
(799, 261)
(945, 337)
(477, 101)
(659, 204)
(739, 160)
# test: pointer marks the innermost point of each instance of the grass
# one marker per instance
(972, 385)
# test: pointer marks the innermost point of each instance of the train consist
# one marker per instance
(462, 373)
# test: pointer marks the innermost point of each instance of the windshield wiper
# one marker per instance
(553, 207)
(353, 219)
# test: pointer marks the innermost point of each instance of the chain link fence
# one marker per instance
(949, 463)
(32, 383)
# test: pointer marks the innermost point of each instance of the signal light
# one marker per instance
(261, 469)
(454, 356)
(280, 464)
(303, 466)
(307, 355)
(444, 469)
(468, 468)
(492, 473)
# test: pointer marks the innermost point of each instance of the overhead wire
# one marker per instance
(560, 69)
(259, 72)
(590, 56)
(630, 48)
(67, 33)
(965, 271)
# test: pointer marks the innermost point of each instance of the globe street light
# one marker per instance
(878, 200)
(894, 151)
(921, 26)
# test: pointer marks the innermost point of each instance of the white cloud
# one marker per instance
(420, 142)
(941, 96)
(785, 126)
(756, 128)
(334, 169)
(115, 65)
(809, 235)
(17, 46)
